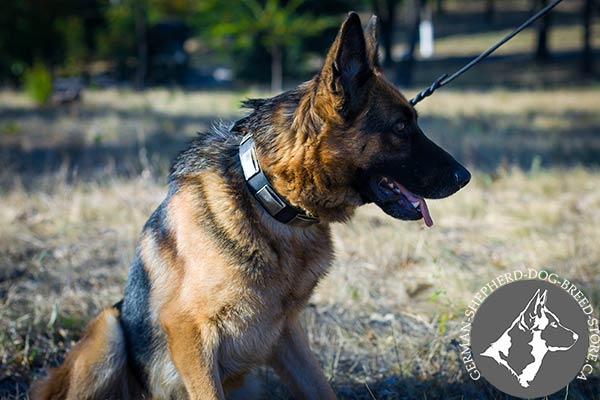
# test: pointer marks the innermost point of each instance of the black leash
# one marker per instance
(445, 79)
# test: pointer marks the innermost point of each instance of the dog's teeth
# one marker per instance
(415, 204)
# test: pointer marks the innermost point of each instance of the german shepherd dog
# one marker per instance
(227, 262)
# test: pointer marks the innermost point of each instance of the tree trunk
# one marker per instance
(490, 10)
(276, 69)
(386, 13)
(413, 38)
(404, 75)
(439, 7)
(542, 53)
(587, 36)
(139, 9)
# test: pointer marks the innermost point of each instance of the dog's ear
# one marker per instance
(540, 303)
(530, 312)
(347, 68)
(371, 42)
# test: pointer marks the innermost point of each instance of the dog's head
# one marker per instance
(371, 126)
(537, 317)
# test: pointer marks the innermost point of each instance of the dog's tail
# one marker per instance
(96, 367)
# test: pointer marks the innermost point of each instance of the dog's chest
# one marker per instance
(254, 325)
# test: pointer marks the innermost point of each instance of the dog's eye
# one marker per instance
(399, 127)
(554, 325)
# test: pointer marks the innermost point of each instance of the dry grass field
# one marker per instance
(77, 184)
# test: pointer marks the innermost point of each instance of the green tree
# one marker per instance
(56, 33)
(268, 23)
(75, 52)
(123, 38)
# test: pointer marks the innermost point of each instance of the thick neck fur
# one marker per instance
(295, 149)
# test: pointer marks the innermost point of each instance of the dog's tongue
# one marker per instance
(422, 205)
(425, 211)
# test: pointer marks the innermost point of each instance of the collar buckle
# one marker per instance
(263, 191)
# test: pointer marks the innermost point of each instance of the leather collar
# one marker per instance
(263, 191)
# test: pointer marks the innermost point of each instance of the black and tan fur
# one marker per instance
(217, 284)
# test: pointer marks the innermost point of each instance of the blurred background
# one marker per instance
(50, 46)
(97, 97)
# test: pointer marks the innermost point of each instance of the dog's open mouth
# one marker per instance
(399, 202)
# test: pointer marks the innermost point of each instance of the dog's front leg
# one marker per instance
(193, 350)
(296, 365)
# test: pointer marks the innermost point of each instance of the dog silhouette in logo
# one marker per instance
(535, 332)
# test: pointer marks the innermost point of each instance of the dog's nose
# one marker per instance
(462, 177)
(575, 336)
